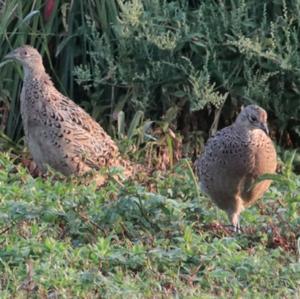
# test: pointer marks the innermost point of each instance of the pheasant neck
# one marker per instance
(37, 72)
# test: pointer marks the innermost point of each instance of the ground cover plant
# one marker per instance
(161, 239)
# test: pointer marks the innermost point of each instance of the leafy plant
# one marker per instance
(60, 238)
(150, 56)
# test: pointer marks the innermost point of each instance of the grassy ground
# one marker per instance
(163, 239)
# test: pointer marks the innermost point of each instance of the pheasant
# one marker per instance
(58, 132)
(233, 159)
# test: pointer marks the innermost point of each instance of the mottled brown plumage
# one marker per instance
(234, 158)
(57, 131)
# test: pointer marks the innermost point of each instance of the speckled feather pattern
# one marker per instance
(60, 133)
(232, 160)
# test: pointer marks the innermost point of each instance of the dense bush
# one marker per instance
(164, 53)
(154, 55)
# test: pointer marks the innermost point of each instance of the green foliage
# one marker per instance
(161, 53)
(138, 60)
(64, 239)
(138, 132)
(146, 64)
(25, 22)
(154, 55)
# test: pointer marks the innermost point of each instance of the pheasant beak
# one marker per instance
(11, 55)
(264, 127)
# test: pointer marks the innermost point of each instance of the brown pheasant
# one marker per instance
(57, 131)
(234, 158)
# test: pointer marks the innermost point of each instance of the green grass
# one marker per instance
(60, 238)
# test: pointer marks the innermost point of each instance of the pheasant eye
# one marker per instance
(25, 53)
(253, 118)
